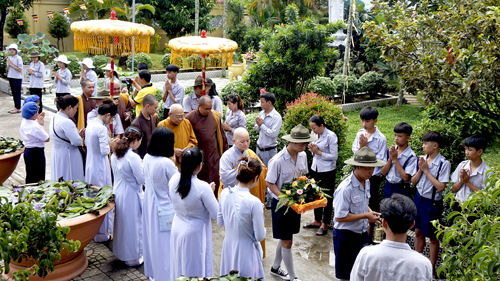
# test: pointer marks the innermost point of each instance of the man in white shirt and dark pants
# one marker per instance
(173, 91)
(393, 259)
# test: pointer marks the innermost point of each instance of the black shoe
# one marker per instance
(280, 273)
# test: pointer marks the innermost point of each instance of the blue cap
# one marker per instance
(32, 98)
(29, 110)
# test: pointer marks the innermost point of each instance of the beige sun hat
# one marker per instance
(63, 59)
(13, 46)
(299, 134)
(107, 67)
(88, 62)
(365, 157)
(104, 93)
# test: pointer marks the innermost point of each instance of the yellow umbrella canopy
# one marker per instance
(218, 51)
(95, 36)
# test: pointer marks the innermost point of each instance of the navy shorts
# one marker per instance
(284, 226)
(427, 211)
(346, 245)
(391, 188)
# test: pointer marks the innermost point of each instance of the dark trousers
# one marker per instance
(326, 180)
(34, 159)
(374, 203)
(391, 188)
(165, 113)
(346, 245)
(15, 87)
(38, 92)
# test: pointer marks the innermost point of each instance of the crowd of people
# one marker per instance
(171, 178)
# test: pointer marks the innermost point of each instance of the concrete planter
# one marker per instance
(8, 163)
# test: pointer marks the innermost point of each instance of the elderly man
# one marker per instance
(146, 122)
(183, 131)
(211, 140)
(85, 104)
(88, 73)
(190, 103)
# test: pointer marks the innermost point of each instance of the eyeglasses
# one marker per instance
(179, 116)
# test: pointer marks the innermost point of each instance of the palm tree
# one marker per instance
(126, 11)
(94, 9)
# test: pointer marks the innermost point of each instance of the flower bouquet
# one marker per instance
(303, 194)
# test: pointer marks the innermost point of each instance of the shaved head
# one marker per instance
(241, 139)
(176, 109)
(176, 114)
(204, 100)
(240, 133)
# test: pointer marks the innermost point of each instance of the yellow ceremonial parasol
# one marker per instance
(111, 36)
(216, 52)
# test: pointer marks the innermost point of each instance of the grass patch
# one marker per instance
(156, 57)
(490, 156)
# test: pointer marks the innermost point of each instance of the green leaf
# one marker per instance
(40, 35)
(478, 256)
(45, 41)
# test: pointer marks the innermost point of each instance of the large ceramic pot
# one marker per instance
(8, 163)
(83, 228)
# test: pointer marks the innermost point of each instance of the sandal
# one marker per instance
(310, 225)
(14, 111)
(321, 232)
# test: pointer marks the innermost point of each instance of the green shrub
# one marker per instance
(140, 57)
(74, 67)
(353, 86)
(154, 43)
(323, 86)
(14, 29)
(452, 150)
(253, 37)
(240, 88)
(254, 134)
(100, 61)
(291, 14)
(307, 105)
(159, 97)
(165, 60)
(372, 83)
(471, 249)
(237, 34)
(3, 62)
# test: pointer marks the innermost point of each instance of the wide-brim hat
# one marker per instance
(35, 54)
(365, 157)
(107, 67)
(88, 62)
(13, 46)
(104, 93)
(299, 134)
(63, 59)
(199, 82)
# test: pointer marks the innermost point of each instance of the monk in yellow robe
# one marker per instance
(183, 131)
(229, 167)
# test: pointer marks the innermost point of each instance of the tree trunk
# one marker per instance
(62, 41)
(2, 23)
(196, 16)
(58, 44)
(401, 96)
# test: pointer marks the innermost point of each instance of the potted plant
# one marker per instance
(10, 152)
(47, 227)
(27, 44)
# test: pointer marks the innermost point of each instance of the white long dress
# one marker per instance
(238, 250)
(66, 160)
(191, 238)
(97, 169)
(160, 170)
(127, 188)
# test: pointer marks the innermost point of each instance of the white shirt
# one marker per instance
(425, 186)
(92, 76)
(177, 91)
(228, 160)
(282, 169)
(328, 146)
(393, 261)
(117, 122)
(217, 104)
(17, 61)
(269, 130)
(32, 134)
(377, 143)
(190, 103)
(411, 166)
(351, 197)
(36, 80)
(235, 120)
(62, 86)
(478, 178)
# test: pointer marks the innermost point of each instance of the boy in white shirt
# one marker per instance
(34, 138)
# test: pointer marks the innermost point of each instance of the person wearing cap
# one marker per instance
(62, 77)
(32, 98)
(191, 102)
(103, 95)
(173, 91)
(146, 88)
(36, 71)
(352, 214)
(107, 70)
(88, 73)
(284, 167)
(15, 76)
(34, 138)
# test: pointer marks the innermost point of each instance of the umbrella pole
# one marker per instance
(203, 72)
(111, 85)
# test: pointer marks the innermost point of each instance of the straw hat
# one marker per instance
(199, 82)
(63, 59)
(365, 157)
(88, 62)
(299, 134)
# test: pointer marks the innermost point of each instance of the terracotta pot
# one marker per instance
(83, 228)
(8, 163)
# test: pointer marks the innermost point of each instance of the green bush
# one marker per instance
(159, 97)
(241, 88)
(254, 134)
(14, 29)
(165, 60)
(471, 249)
(372, 83)
(3, 62)
(154, 43)
(253, 37)
(74, 67)
(237, 34)
(140, 57)
(291, 14)
(307, 105)
(323, 86)
(290, 59)
(353, 86)
(452, 150)
(100, 61)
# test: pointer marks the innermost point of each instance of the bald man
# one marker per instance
(182, 128)
(211, 139)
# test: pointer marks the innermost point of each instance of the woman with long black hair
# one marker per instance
(194, 203)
